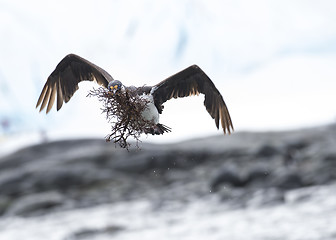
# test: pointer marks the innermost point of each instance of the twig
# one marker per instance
(123, 110)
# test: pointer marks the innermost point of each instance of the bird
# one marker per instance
(73, 69)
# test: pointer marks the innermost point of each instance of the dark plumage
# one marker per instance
(63, 82)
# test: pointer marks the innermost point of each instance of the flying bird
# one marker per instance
(72, 69)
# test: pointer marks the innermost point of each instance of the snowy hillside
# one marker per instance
(260, 185)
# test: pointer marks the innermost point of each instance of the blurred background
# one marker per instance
(273, 61)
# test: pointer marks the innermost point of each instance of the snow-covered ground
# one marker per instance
(307, 213)
(275, 185)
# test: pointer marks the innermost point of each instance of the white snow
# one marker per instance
(203, 218)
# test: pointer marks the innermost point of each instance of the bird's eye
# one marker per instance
(115, 86)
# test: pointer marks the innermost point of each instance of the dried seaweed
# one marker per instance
(123, 110)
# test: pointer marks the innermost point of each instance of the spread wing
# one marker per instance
(63, 81)
(192, 81)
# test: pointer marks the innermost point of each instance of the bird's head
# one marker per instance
(114, 86)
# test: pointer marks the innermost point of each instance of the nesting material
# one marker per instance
(123, 110)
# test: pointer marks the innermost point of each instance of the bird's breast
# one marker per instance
(150, 112)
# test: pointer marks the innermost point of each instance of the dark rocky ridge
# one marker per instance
(239, 168)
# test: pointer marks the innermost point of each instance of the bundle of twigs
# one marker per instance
(123, 111)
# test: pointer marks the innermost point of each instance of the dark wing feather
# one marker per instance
(63, 81)
(192, 81)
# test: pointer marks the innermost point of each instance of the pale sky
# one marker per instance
(273, 61)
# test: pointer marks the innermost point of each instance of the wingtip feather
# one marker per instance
(59, 96)
(226, 120)
(45, 99)
(52, 98)
(43, 92)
